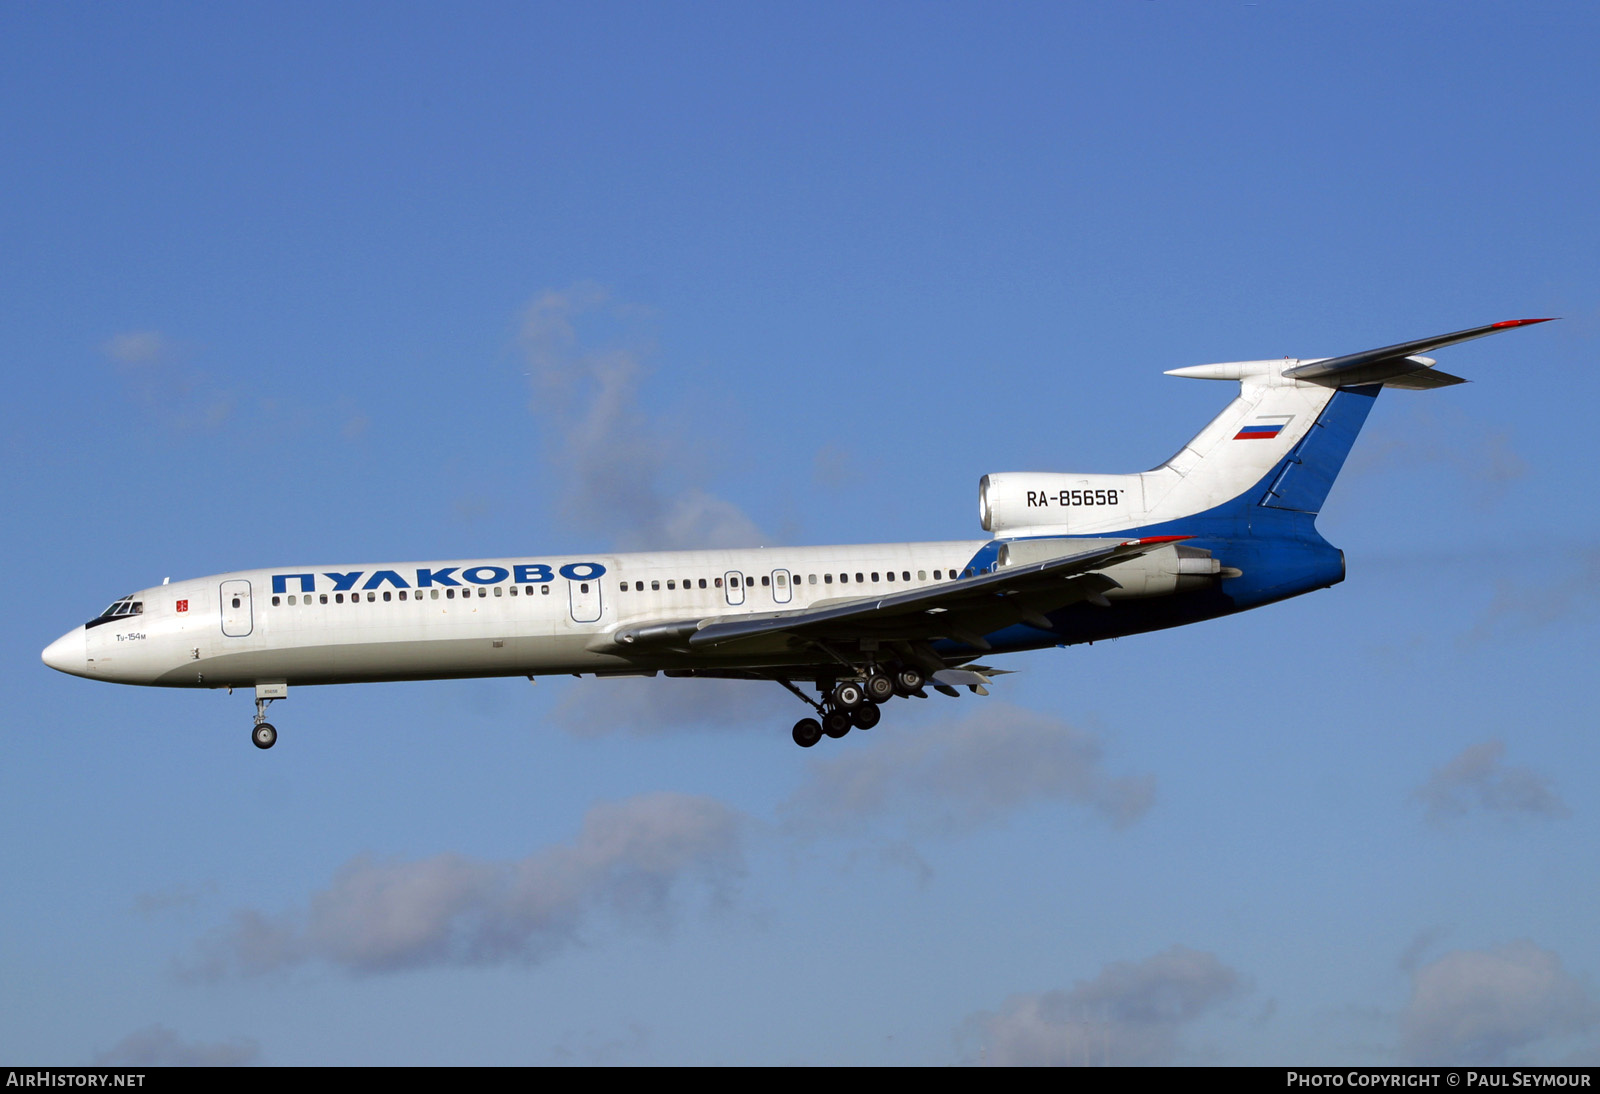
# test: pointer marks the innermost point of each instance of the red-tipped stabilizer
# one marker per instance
(1382, 365)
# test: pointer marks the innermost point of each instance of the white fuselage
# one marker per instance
(475, 617)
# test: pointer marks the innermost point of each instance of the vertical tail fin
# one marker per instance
(1277, 447)
(1283, 441)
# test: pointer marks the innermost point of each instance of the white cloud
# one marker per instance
(1132, 1013)
(646, 705)
(1420, 943)
(625, 473)
(1481, 455)
(834, 467)
(382, 916)
(591, 1048)
(1492, 1007)
(1569, 592)
(177, 897)
(139, 347)
(1478, 780)
(966, 773)
(158, 1046)
(155, 379)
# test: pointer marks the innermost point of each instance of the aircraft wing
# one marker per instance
(962, 610)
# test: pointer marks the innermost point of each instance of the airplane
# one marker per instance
(1226, 524)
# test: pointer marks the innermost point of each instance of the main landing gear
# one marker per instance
(852, 704)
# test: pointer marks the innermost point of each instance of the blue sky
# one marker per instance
(289, 283)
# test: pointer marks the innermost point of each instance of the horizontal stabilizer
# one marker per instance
(1423, 380)
(1396, 366)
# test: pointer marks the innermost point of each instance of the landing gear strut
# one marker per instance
(843, 705)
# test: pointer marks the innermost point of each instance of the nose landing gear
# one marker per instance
(264, 734)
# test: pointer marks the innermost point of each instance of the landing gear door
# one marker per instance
(238, 619)
(584, 596)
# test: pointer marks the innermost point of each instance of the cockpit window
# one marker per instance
(118, 609)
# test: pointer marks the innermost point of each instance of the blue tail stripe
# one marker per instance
(1308, 471)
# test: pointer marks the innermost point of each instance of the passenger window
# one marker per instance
(783, 580)
(402, 594)
(498, 591)
(717, 581)
(584, 587)
(671, 585)
(385, 594)
(449, 594)
(889, 575)
(338, 598)
(936, 576)
(545, 589)
(655, 586)
(827, 579)
(874, 578)
(922, 575)
(236, 602)
(323, 599)
(811, 579)
(433, 594)
(514, 589)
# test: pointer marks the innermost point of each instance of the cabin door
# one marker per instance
(237, 617)
(584, 597)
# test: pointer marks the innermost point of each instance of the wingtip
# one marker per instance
(1524, 322)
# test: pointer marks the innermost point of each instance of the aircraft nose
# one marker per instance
(69, 653)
